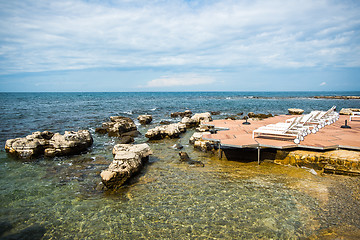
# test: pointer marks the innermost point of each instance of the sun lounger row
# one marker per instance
(299, 127)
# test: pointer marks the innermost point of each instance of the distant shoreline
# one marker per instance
(337, 97)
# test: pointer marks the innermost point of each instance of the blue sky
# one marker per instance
(179, 45)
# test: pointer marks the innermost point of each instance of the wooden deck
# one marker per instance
(232, 133)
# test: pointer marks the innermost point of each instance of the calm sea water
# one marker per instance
(56, 198)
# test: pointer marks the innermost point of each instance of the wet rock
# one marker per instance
(131, 134)
(172, 131)
(259, 115)
(165, 122)
(117, 126)
(145, 119)
(295, 111)
(231, 118)
(195, 137)
(184, 157)
(128, 160)
(240, 113)
(186, 113)
(49, 144)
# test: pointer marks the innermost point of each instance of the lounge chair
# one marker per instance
(354, 115)
(292, 130)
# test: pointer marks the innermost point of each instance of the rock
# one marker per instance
(202, 117)
(135, 133)
(117, 127)
(199, 143)
(128, 160)
(187, 113)
(172, 131)
(195, 137)
(348, 111)
(204, 128)
(189, 122)
(231, 118)
(163, 122)
(145, 119)
(178, 146)
(184, 157)
(259, 115)
(49, 144)
(240, 113)
(126, 140)
(215, 112)
(295, 111)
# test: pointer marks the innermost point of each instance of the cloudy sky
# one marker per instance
(179, 45)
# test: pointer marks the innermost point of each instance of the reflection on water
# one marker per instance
(169, 199)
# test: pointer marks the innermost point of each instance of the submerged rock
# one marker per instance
(145, 119)
(184, 157)
(117, 126)
(49, 144)
(177, 146)
(295, 111)
(172, 131)
(128, 160)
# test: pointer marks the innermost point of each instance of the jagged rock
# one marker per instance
(187, 113)
(204, 128)
(189, 122)
(184, 157)
(202, 117)
(128, 160)
(259, 115)
(117, 127)
(145, 119)
(295, 111)
(49, 144)
(199, 143)
(171, 131)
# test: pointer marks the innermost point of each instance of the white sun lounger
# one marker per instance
(354, 115)
(283, 130)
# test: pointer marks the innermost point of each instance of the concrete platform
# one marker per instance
(233, 133)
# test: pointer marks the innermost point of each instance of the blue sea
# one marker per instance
(57, 198)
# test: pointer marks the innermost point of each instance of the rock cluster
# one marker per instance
(172, 131)
(145, 119)
(49, 144)
(128, 160)
(119, 127)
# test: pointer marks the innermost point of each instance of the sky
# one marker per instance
(179, 45)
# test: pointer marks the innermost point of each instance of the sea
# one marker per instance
(59, 198)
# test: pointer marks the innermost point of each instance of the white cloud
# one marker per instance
(74, 34)
(323, 84)
(180, 80)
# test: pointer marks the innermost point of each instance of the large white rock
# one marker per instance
(128, 160)
(171, 131)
